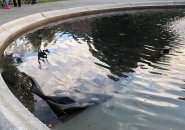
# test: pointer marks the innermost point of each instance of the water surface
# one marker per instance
(116, 55)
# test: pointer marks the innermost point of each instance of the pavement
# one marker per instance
(7, 15)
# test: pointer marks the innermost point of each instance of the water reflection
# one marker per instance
(115, 60)
(18, 83)
(42, 56)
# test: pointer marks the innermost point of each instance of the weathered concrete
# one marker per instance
(5, 35)
(54, 16)
(28, 9)
(19, 26)
(13, 115)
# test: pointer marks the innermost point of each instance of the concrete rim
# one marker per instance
(13, 115)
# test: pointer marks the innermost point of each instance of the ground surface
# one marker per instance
(28, 9)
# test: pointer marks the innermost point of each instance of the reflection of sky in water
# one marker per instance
(147, 99)
(67, 67)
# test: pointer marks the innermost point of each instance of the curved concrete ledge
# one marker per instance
(13, 115)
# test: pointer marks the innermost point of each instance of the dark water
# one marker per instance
(118, 55)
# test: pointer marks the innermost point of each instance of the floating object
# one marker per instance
(166, 50)
(17, 60)
(60, 105)
(50, 125)
(42, 54)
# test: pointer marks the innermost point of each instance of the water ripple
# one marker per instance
(118, 55)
